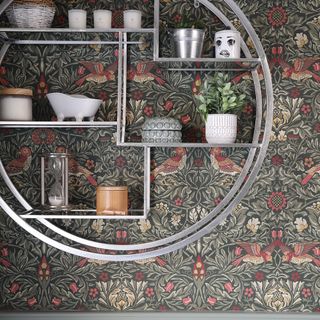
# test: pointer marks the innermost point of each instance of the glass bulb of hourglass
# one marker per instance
(56, 195)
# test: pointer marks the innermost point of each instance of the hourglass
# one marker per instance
(54, 180)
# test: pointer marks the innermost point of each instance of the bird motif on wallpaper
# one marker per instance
(222, 163)
(254, 253)
(310, 173)
(173, 164)
(299, 254)
(42, 87)
(76, 169)
(142, 73)
(299, 69)
(21, 164)
(98, 73)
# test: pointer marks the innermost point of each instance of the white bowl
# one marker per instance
(73, 106)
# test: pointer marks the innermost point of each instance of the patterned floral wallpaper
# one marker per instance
(264, 257)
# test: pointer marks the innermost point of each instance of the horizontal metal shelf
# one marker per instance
(86, 214)
(190, 145)
(57, 124)
(207, 64)
(88, 30)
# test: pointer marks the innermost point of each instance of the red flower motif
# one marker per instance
(308, 162)
(294, 93)
(149, 292)
(104, 276)
(238, 251)
(276, 50)
(43, 269)
(277, 16)
(198, 269)
(248, 109)
(229, 287)
(73, 287)
(248, 292)
(81, 70)
(316, 251)
(186, 301)
(259, 276)
(212, 300)
(236, 308)
(137, 95)
(93, 293)
(103, 95)
(169, 287)
(56, 301)
(277, 201)
(139, 276)
(3, 70)
(295, 276)
(306, 108)
(14, 288)
(121, 161)
(185, 119)
(317, 127)
(217, 200)
(306, 292)
(90, 164)
(168, 105)
(43, 136)
(277, 160)
(198, 162)
(61, 19)
(163, 308)
(4, 252)
(81, 263)
(316, 66)
(177, 18)
(31, 301)
(178, 202)
(148, 111)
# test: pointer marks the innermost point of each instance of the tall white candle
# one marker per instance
(132, 19)
(102, 19)
(77, 19)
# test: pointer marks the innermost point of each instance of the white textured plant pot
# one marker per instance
(221, 128)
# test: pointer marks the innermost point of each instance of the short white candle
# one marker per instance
(132, 19)
(77, 19)
(102, 19)
(56, 201)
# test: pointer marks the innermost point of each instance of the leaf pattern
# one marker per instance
(263, 257)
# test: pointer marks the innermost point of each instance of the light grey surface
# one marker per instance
(156, 316)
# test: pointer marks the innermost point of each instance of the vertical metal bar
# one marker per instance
(66, 180)
(146, 207)
(119, 106)
(156, 26)
(42, 181)
(124, 97)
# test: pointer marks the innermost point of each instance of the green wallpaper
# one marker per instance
(264, 257)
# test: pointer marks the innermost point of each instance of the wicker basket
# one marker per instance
(31, 13)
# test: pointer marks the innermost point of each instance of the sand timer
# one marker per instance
(54, 180)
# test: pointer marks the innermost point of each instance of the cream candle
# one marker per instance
(132, 19)
(77, 19)
(102, 19)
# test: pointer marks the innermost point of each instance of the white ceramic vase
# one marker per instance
(221, 128)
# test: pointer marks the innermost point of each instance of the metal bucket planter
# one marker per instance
(188, 42)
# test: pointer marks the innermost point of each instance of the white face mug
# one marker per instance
(132, 19)
(102, 19)
(227, 44)
(77, 19)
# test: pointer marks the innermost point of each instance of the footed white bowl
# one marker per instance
(73, 106)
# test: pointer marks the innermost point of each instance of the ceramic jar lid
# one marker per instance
(16, 92)
(161, 123)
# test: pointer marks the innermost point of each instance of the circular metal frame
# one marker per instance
(204, 226)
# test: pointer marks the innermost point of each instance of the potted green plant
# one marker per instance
(220, 101)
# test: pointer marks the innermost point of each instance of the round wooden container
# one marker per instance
(112, 200)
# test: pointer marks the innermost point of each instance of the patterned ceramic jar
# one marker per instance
(161, 130)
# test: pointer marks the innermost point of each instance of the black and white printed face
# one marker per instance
(227, 45)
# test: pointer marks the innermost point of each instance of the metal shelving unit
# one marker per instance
(256, 149)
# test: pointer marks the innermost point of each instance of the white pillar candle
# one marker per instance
(102, 19)
(77, 19)
(132, 19)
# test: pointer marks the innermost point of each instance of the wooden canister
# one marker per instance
(112, 200)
